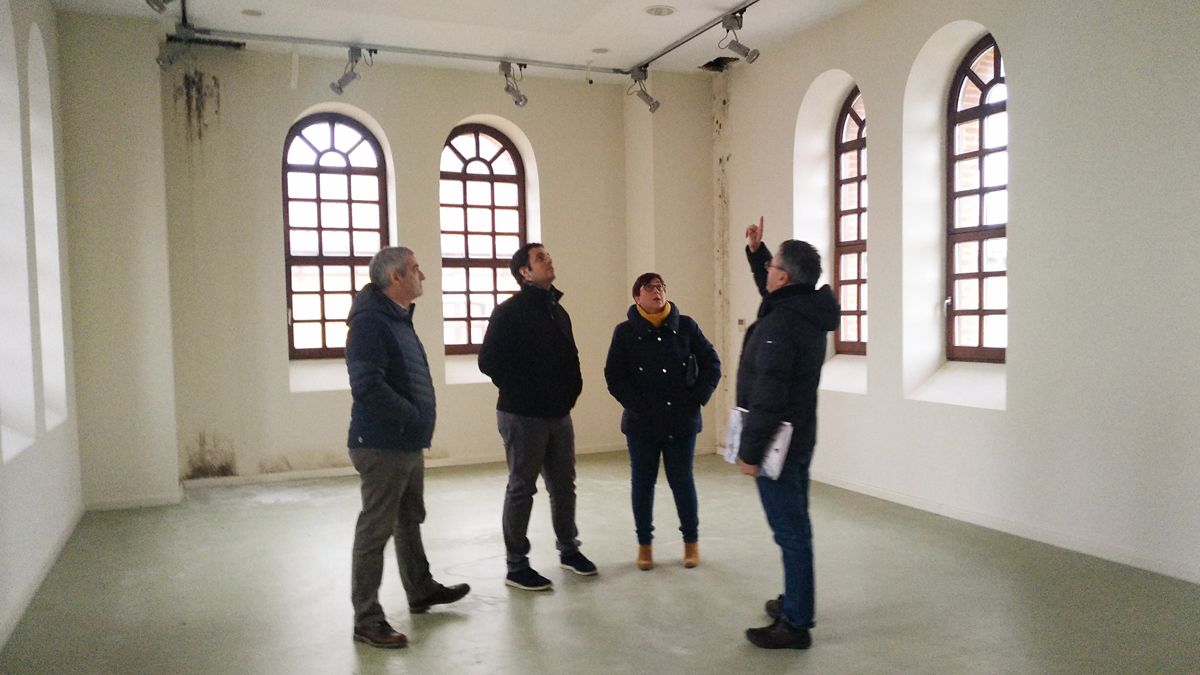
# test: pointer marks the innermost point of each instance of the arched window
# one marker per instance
(483, 224)
(977, 208)
(46, 234)
(18, 412)
(850, 224)
(335, 219)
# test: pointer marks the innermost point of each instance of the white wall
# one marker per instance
(40, 495)
(1086, 438)
(226, 233)
(116, 221)
(227, 248)
(669, 204)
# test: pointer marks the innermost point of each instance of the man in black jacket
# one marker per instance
(391, 422)
(778, 374)
(529, 352)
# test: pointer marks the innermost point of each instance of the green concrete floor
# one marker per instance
(254, 579)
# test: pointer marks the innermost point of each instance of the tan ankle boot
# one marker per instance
(645, 557)
(691, 553)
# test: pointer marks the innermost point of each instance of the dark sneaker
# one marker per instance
(380, 634)
(779, 635)
(444, 595)
(577, 563)
(528, 580)
(774, 608)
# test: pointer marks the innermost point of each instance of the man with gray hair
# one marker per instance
(777, 380)
(391, 423)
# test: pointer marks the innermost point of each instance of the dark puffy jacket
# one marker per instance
(394, 406)
(529, 352)
(646, 371)
(780, 366)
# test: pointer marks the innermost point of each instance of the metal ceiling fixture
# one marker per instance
(348, 75)
(731, 23)
(639, 81)
(510, 82)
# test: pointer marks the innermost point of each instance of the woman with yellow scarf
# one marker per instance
(661, 369)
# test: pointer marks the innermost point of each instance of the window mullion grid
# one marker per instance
(463, 263)
(857, 249)
(321, 262)
(468, 263)
(856, 246)
(980, 232)
(957, 235)
(979, 352)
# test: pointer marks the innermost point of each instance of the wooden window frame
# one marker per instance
(477, 324)
(981, 232)
(858, 246)
(356, 263)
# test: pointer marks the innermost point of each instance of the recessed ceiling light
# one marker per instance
(660, 10)
(252, 12)
(600, 50)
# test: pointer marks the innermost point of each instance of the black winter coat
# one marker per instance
(529, 352)
(394, 406)
(780, 366)
(646, 372)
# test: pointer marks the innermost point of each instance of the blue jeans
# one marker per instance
(785, 502)
(677, 457)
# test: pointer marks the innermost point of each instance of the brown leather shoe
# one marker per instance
(444, 595)
(380, 634)
(691, 553)
(645, 557)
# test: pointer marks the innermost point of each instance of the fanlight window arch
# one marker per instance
(977, 208)
(850, 224)
(335, 219)
(482, 201)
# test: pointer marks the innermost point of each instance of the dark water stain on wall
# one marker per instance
(210, 457)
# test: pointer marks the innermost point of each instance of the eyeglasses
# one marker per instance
(661, 288)
(767, 265)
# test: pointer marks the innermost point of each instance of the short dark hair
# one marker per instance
(646, 279)
(521, 259)
(801, 262)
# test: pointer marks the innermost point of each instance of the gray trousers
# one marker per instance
(393, 505)
(532, 446)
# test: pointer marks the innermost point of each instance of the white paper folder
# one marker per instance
(772, 461)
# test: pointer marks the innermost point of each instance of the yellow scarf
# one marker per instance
(655, 320)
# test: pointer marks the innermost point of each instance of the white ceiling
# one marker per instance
(559, 31)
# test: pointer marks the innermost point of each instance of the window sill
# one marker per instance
(846, 373)
(464, 369)
(318, 375)
(13, 443)
(974, 385)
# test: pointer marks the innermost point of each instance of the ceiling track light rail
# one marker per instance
(395, 49)
(730, 20)
(464, 56)
(739, 10)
